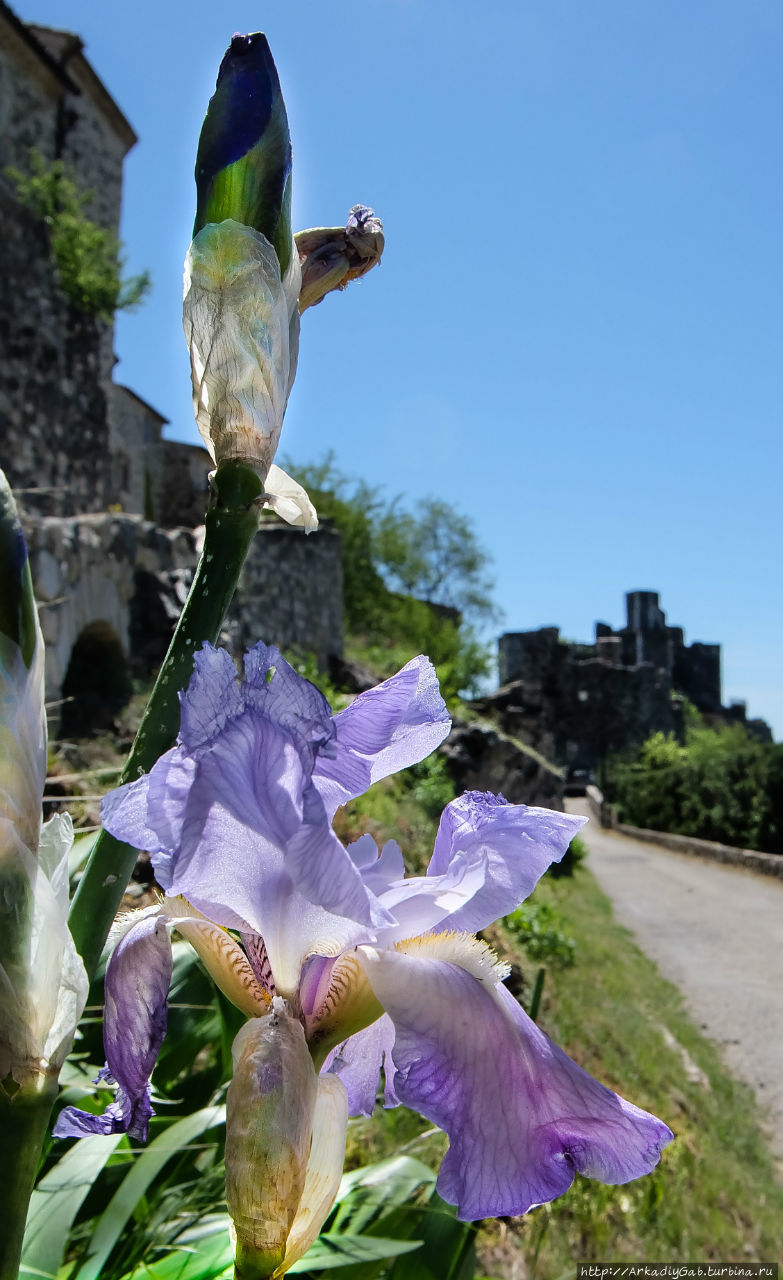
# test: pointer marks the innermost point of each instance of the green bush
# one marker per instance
(86, 255)
(722, 784)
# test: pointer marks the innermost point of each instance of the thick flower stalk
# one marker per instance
(43, 986)
(378, 970)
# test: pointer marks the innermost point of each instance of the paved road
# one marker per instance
(716, 932)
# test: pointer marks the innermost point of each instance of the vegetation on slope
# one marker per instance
(720, 784)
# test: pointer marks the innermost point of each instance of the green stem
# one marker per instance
(231, 521)
(24, 1118)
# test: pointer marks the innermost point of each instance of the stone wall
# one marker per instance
(291, 592)
(177, 486)
(580, 702)
(54, 434)
(132, 577)
(52, 100)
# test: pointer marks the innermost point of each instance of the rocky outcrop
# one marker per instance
(481, 757)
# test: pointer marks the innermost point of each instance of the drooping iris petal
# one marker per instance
(516, 842)
(358, 1063)
(134, 1024)
(382, 731)
(521, 1117)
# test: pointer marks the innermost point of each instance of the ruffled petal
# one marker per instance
(382, 731)
(516, 843)
(134, 1024)
(239, 830)
(211, 700)
(521, 1118)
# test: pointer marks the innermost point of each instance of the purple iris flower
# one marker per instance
(380, 970)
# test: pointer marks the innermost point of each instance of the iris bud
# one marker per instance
(285, 1144)
(243, 164)
(44, 986)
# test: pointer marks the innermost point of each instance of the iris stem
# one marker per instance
(230, 523)
(24, 1117)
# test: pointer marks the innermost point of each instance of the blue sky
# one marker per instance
(576, 333)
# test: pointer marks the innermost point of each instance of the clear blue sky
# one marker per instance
(576, 335)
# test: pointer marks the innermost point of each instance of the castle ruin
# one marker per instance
(578, 703)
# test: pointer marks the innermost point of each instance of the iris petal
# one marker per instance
(516, 842)
(358, 1063)
(521, 1118)
(382, 731)
(134, 1024)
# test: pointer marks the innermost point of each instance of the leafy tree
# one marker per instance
(86, 255)
(435, 556)
(393, 563)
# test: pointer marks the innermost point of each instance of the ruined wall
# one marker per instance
(133, 576)
(52, 100)
(577, 710)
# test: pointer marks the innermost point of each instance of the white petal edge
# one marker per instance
(324, 1168)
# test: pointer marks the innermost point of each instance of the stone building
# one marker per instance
(577, 703)
(111, 509)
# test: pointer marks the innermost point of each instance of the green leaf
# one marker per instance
(80, 851)
(56, 1201)
(447, 1250)
(331, 1250)
(376, 1190)
(145, 1169)
(209, 1258)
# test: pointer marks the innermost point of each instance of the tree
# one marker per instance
(397, 568)
(435, 556)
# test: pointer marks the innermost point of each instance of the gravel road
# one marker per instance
(716, 932)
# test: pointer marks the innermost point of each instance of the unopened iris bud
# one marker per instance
(243, 165)
(43, 986)
(285, 1144)
(242, 276)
